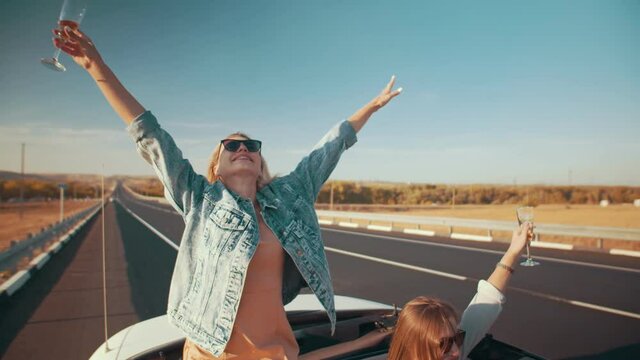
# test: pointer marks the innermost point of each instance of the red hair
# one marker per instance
(421, 323)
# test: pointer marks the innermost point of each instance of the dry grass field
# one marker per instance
(624, 215)
(18, 220)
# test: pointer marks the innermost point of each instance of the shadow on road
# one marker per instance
(16, 310)
(150, 263)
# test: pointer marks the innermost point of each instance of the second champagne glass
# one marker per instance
(71, 15)
(524, 214)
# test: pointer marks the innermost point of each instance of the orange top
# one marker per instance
(261, 330)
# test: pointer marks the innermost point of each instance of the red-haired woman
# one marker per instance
(430, 329)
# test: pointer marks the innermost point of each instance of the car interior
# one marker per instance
(360, 334)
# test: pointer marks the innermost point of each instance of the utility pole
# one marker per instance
(331, 198)
(22, 175)
(453, 198)
(104, 268)
(62, 186)
(22, 182)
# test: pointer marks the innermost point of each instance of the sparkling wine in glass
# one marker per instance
(524, 214)
(71, 15)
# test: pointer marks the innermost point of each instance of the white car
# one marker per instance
(363, 331)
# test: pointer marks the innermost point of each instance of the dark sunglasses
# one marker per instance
(447, 343)
(234, 145)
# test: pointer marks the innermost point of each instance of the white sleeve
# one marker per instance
(480, 314)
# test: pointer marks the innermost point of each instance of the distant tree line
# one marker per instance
(351, 192)
(41, 189)
(146, 186)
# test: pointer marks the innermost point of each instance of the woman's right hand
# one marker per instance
(78, 45)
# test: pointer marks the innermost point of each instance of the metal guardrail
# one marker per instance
(10, 258)
(21, 277)
(596, 232)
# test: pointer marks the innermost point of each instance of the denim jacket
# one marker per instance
(221, 232)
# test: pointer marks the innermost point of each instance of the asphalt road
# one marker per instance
(58, 315)
(576, 305)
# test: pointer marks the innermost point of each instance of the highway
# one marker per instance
(576, 305)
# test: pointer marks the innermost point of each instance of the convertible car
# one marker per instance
(363, 331)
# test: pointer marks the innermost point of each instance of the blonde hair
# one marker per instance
(420, 326)
(264, 177)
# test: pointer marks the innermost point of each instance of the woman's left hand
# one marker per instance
(361, 116)
(386, 95)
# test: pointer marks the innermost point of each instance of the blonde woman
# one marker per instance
(430, 329)
(250, 242)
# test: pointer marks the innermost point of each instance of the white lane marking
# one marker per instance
(160, 235)
(463, 278)
(419, 232)
(471, 237)
(430, 271)
(605, 309)
(577, 303)
(429, 243)
(379, 228)
(550, 245)
(397, 264)
(430, 233)
(624, 252)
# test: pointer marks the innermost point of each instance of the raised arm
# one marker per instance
(502, 273)
(80, 47)
(181, 183)
(486, 305)
(314, 169)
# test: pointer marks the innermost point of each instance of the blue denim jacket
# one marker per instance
(221, 232)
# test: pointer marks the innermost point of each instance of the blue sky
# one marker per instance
(494, 91)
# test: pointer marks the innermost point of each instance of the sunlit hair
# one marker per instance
(263, 179)
(421, 323)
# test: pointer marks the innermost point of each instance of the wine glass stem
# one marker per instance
(528, 254)
(56, 54)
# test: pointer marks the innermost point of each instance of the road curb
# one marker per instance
(624, 252)
(550, 245)
(14, 283)
(461, 236)
(419, 232)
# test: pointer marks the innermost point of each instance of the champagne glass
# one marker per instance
(71, 15)
(524, 214)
